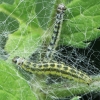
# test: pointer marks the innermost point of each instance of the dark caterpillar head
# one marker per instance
(17, 60)
(61, 8)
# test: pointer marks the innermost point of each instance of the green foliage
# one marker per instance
(25, 19)
(83, 22)
(76, 98)
(12, 86)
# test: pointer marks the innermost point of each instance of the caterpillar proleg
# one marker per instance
(58, 69)
(57, 30)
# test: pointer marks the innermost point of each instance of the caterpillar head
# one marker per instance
(61, 8)
(18, 60)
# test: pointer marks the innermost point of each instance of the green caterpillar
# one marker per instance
(58, 69)
(56, 32)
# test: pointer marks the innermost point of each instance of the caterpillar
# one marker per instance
(59, 69)
(57, 30)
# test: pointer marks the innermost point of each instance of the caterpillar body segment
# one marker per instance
(58, 69)
(57, 30)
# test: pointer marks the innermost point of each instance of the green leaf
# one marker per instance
(44, 11)
(7, 24)
(82, 22)
(7, 1)
(12, 85)
(76, 98)
(27, 25)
